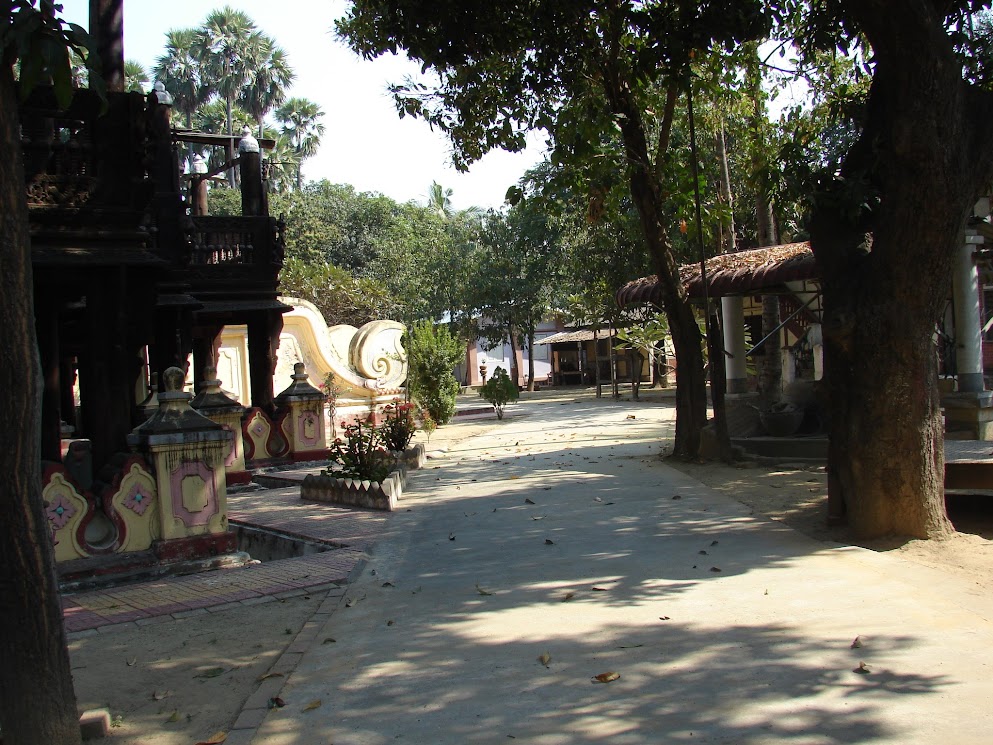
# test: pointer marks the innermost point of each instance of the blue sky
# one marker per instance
(365, 143)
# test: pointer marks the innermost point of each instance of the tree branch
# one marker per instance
(665, 129)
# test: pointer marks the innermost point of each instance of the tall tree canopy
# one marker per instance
(587, 72)
(885, 222)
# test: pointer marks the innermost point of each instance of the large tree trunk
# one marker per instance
(691, 387)
(923, 153)
(37, 703)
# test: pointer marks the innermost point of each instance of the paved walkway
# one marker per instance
(549, 549)
(557, 548)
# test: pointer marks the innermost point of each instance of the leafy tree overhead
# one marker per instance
(582, 71)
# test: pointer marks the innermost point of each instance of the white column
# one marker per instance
(734, 342)
(968, 321)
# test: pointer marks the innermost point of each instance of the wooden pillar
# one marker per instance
(67, 378)
(107, 387)
(263, 341)
(251, 183)
(173, 341)
(205, 347)
(107, 28)
(47, 325)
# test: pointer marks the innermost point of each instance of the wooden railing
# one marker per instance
(233, 241)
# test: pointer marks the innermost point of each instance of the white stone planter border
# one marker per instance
(372, 495)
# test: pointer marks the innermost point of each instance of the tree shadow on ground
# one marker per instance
(567, 555)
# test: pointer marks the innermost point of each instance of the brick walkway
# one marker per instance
(351, 532)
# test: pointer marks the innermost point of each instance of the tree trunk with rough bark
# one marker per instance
(37, 702)
(691, 387)
(923, 157)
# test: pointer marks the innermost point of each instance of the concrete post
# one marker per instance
(308, 438)
(968, 319)
(217, 406)
(187, 450)
(734, 342)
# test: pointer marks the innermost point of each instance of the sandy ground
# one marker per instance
(181, 682)
(796, 494)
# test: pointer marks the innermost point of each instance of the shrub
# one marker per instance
(361, 454)
(398, 427)
(432, 354)
(499, 390)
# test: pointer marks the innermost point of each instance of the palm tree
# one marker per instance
(267, 84)
(181, 73)
(135, 76)
(440, 200)
(301, 124)
(281, 165)
(229, 47)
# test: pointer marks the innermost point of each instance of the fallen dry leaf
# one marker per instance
(269, 675)
(174, 717)
(664, 618)
(451, 536)
(215, 739)
(677, 496)
(568, 596)
(132, 661)
(211, 672)
(606, 677)
(599, 589)
(862, 669)
(276, 703)
(481, 591)
(528, 500)
(715, 569)
(549, 542)
(544, 658)
(329, 640)
(313, 705)
(158, 696)
(857, 642)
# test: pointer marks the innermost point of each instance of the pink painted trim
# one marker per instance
(193, 519)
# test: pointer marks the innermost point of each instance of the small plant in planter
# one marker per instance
(360, 454)
(399, 426)
(499, 390)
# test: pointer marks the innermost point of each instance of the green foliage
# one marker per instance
(340, 297)
(399, 426)
(645, 336)
(499, 390)
(44, 48)
(432, 354)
